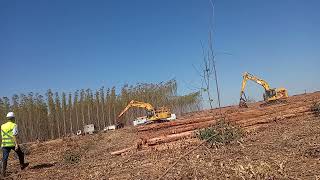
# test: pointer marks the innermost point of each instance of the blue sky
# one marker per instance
(74, 44)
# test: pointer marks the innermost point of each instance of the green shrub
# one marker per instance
(220, 133)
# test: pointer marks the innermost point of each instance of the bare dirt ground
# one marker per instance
(283, 142)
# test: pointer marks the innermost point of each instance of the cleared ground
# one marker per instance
(283, 142)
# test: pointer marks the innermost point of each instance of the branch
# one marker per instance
(175, 163)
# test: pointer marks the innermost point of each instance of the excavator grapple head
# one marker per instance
(243, 103)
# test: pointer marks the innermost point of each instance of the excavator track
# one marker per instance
(275, 102)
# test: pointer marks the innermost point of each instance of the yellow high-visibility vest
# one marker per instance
(7, 134)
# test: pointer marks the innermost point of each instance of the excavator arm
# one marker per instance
(247, 76)
(134, 103)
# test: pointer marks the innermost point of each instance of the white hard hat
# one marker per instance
(10, 115)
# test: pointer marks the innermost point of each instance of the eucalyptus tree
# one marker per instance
(76, 107)
(58, 113)
(113, 103)
(15, 107)
(2, 111)
(82, 104)
(108, 104)
(97, 105)
(51, 113)
(70, 111)
(64, 112)
(42, 118)
(102, 105)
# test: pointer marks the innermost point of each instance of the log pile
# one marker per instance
(248, 118)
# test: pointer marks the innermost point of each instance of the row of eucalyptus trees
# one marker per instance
(55, 115)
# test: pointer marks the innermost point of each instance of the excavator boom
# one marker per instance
(134, 103)
(247, 76)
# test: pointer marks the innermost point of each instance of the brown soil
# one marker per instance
(283, 142)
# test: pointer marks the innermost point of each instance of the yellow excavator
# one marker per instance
(271, 95)
(153, 114)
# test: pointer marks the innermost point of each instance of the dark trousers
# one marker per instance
(5, 156)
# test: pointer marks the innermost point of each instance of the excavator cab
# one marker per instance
(275, 94)
(269, 94)
(150, 114)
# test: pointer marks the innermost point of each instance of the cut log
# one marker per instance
(123, 150)
(170, 138)
(275, 117)
(173, 123)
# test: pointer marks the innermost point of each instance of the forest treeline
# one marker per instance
(55, 115)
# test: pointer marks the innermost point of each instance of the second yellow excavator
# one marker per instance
(271, 95)
(153, 114)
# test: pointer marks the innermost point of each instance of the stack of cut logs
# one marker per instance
(248, 118)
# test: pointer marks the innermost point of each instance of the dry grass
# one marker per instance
(71, 157)
(316, 108)
(262, 170)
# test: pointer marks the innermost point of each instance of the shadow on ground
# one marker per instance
(43, 166)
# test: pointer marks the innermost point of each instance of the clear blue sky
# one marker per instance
(74, 44)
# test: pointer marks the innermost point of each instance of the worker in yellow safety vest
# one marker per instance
(9, 133)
